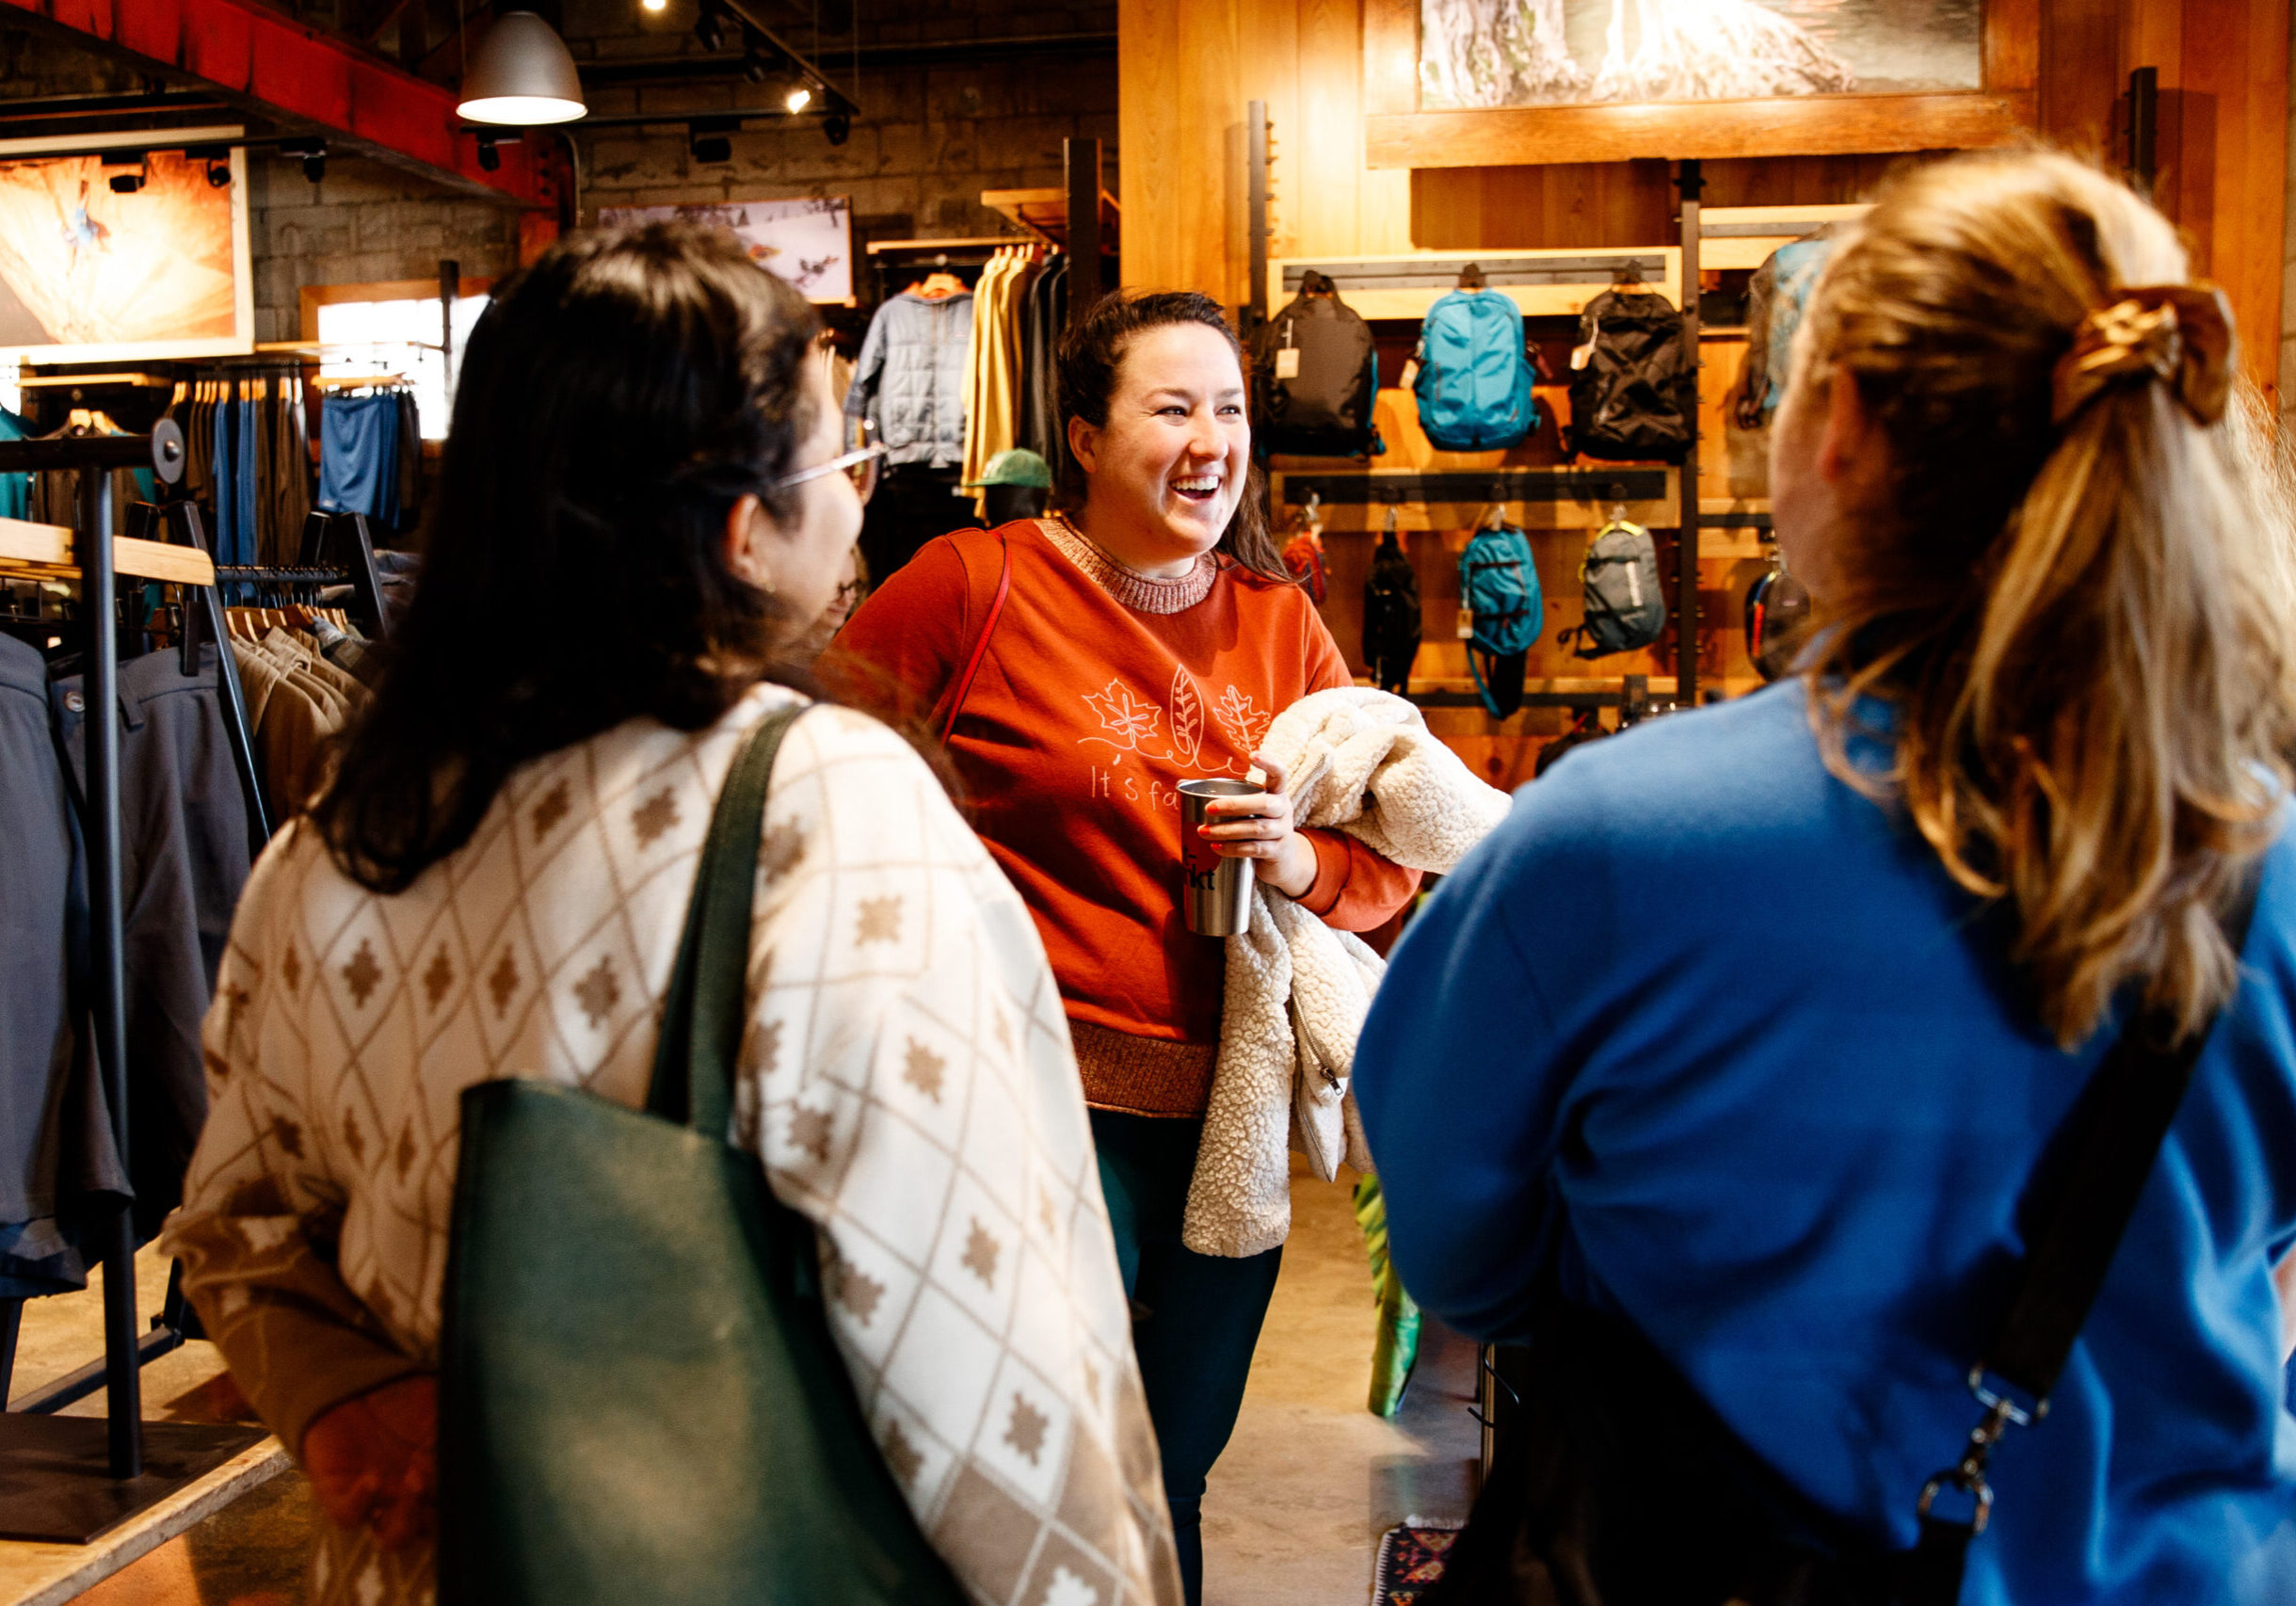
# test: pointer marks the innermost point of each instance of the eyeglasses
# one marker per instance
(861, 461)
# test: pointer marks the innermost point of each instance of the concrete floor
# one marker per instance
(1312, 1479)
(1296, 1507)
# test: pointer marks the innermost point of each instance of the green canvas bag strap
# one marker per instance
(702, 1019)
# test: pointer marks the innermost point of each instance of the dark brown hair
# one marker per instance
(616, 399)
(1091, 363)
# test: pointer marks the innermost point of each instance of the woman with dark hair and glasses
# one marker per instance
(646, 500)
(1081, 667)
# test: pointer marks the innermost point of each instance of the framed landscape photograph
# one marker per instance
(1474, 83)
(93, 273)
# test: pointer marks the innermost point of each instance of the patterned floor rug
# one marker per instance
(1410, 1560)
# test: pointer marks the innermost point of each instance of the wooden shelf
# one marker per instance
(1044, 212)
(1544, 498)
(1743, 236)
(49, 550)
(1544, 283)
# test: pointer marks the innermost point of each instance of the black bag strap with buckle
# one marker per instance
(1624, 1487)
(2077, 1220)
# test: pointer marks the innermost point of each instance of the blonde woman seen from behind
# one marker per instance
(1798, 992)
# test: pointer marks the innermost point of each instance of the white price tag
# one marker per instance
(1287, 363)
(1467, 624)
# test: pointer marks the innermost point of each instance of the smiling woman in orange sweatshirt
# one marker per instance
(1084, 666)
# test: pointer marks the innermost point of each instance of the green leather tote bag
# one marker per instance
(640, 1400)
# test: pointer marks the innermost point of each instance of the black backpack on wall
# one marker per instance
(1316, 375)
(1631, 397)
(1391, 615)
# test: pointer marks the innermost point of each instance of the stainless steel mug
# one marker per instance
(1216, 893)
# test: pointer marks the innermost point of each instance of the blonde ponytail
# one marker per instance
(2082, 610)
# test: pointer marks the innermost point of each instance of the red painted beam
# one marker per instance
(303, 75)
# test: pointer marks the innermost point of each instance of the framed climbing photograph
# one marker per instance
(124, 253)
(1476, 83)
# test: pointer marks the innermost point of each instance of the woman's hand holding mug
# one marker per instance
(1260, 827)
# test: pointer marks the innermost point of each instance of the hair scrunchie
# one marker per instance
(2181, 334)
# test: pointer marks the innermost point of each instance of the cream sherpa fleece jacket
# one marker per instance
(1362, 762)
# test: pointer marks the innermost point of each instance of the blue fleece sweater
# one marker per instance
(1710, 1039)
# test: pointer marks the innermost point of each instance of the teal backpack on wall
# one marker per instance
(1474, 378)
(1499, 589)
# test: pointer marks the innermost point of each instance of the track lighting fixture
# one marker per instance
(708, 138)
(215, 159)
(799, 99)
(838, 127)
(710, 32)
(314, 154)
(756, 67)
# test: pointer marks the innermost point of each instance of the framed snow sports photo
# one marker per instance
(1479, 83)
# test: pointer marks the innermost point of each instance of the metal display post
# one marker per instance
(1690, 180)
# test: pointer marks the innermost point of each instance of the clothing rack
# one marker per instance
(95, 1476)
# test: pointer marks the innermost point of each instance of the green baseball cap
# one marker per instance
(1018, 466)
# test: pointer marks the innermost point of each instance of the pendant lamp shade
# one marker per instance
(522, 74)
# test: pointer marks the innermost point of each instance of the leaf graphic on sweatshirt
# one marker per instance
(1245, 723)
(1187, 717)
(1123, 714)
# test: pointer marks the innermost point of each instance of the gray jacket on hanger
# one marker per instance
(911, 379)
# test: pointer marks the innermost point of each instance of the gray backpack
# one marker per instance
(1624, 602)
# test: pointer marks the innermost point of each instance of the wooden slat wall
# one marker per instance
(1185, 70)
(1189, 66)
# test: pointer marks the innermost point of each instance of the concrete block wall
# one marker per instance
(364, 223)
(929, 139)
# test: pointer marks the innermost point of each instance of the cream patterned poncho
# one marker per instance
(905, 1076)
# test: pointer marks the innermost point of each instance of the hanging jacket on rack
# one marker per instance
(183, 828)
(911, 379)
(37, 1044)
(1046, 316)
(993, 412)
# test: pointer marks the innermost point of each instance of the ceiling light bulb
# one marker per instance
(655, 5)
(799, 98)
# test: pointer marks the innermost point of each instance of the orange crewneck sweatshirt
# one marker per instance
(1085, 716)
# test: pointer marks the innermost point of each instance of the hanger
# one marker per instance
(1618, 519)
(939, 285)
(1471, 277)
(1628, 272)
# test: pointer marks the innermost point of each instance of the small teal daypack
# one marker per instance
(1498, 588)
(1474, 378)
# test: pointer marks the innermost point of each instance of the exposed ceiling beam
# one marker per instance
(380, 16)
(675, 68)
(271, 65)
